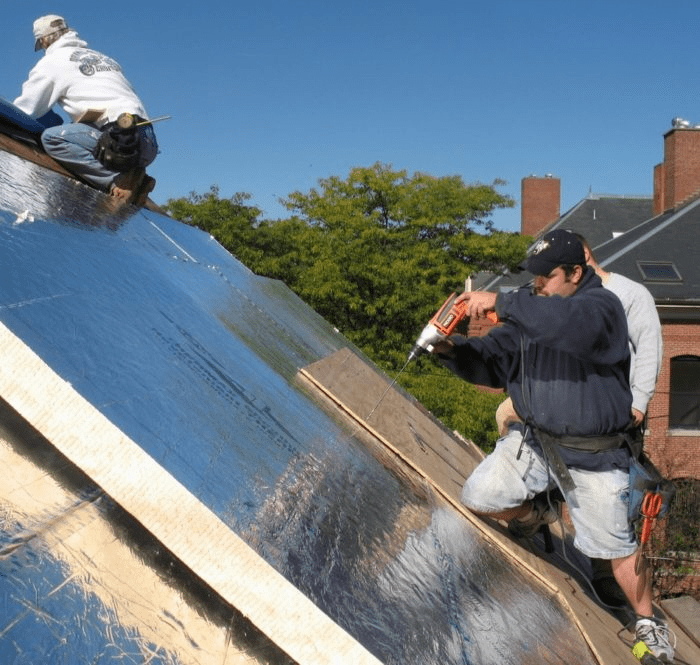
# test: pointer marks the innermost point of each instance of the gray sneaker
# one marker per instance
(544, 511)
(656, 635)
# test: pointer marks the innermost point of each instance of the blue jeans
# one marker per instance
(597, 506)
(72, 145)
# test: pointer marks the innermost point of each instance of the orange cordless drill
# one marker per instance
(442, 325)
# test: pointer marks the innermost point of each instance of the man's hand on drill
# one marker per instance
(443, 347)
(479, 303)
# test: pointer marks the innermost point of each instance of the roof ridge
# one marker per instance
(602, 195)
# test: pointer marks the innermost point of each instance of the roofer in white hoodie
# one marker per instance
(92, 91)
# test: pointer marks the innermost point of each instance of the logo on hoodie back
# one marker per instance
(91, 62)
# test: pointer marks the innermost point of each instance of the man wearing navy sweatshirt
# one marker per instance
(562, 355)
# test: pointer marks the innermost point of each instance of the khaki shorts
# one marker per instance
(597, 506)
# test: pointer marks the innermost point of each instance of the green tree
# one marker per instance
(394, 247)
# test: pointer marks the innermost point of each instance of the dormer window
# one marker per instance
(659, 271)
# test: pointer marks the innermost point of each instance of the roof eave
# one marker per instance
(677, 310)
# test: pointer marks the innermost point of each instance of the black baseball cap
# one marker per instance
(553, 249)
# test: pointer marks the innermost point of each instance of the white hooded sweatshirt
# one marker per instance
(78, 79)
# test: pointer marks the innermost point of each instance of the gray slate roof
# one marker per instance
(599, 218)
(667, 240)
(625, 238)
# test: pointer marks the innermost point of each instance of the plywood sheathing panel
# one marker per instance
(418, 445)
(686, 612)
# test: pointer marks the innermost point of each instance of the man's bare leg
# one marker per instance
(637, 588)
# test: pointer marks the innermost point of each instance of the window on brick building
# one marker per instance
(684, 410)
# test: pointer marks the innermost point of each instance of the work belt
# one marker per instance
(591, 444)
(119, 145)
(594, 444)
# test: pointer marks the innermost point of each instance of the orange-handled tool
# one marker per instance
(443, 324)
(651, 507)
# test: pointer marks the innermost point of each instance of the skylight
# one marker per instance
(660, 271)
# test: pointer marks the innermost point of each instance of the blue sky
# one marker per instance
(268, 97)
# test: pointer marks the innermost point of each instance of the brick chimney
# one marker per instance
(540, 200)
(677, 179)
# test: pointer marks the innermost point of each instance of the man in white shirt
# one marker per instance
(92, 90)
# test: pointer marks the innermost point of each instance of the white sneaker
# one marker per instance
(655, 634)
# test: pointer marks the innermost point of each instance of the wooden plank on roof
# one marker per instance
(193, 533)
(686, 612)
